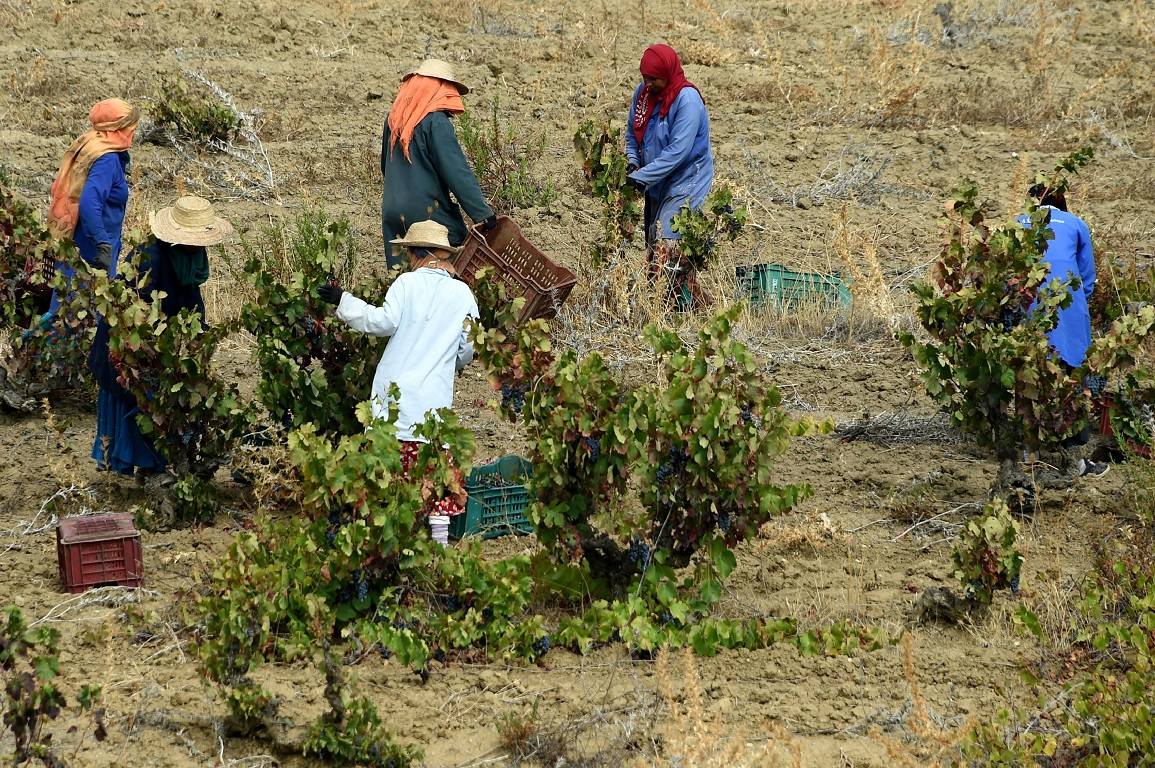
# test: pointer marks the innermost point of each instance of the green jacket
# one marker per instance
(418, 188)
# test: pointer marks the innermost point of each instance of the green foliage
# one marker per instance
(192, 414)
(314, 368)
(1117, 285)
(193, 115)
(25, 245)
(502, 164)
(1102, 715)
(988, 309)
(985, 556)
(701, 444)
(29, 665)
(52, 354)
(351, 733)
(700, 228)
(358, 740)
(705, 440)
(604, 163)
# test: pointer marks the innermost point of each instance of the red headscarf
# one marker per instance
(660, 62)
(113, 123)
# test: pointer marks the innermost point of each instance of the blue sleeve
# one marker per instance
(96, 190)
(1085, 260)
(631, 138)
(687, 118)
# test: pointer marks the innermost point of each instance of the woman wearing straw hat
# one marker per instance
(422, 162)
(176, 263)
(90, 193)
(424, 314)
(670, 160)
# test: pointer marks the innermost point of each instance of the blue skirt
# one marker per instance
(119, 445)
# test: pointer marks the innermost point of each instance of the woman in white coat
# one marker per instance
(424, 315)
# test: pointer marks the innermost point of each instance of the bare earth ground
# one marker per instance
(813, 106)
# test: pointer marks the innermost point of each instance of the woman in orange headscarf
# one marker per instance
(422, 162)
(90, 193)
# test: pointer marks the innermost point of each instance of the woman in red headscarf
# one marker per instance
(668, 145)
(90, 193)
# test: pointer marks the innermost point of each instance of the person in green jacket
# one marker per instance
(422, 162)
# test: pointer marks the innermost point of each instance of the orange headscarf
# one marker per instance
(113, 124)
(419, 96)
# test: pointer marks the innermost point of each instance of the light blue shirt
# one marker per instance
(674, 159)
(1069, 255)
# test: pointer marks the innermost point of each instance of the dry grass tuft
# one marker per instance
(692, 739)
(704, 54)
(867, 286)
(931, 742)
(813, 533)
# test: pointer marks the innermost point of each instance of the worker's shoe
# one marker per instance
(1088, 468)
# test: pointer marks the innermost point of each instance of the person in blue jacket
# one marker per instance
(90, 193)
(1069, 256)
(668, 148)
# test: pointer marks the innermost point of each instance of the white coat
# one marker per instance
(424, 313)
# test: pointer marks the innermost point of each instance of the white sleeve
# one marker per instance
(376, 321)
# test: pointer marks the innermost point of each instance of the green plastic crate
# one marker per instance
(492, 512)
(765, 284)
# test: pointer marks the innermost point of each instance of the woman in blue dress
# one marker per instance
(177, 264)
(668, 147)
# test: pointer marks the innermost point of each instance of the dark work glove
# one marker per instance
(330, 293)
(631, 168)
(638, 185)
(103, 258)
(489, 224)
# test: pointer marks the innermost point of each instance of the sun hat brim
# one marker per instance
(425, 244)
(165, 228)
(433, 68)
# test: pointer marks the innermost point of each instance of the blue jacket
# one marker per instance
(674, 160)
(102, 204)
(1069, 254)
(101, 217)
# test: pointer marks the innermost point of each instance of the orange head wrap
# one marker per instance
(113, 124)
(419, 96)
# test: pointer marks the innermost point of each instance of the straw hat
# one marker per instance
(426, 234)
(442, 70)
(190, 222)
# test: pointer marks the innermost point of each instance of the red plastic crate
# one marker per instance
(99, 551)
(517, 263)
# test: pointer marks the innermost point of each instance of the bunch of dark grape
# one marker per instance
(595, 447)
(1010, 318)
(1015, 584)
(747, 414)
(666, 618)
(453, 604)
(1096, 384)
(512, 397)
(360, 584)
(675, 464)
(337, 520)
(492, 480)
(639, 552)
(345, 595)
(385, 652)
(724, 520)
(541, 646)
